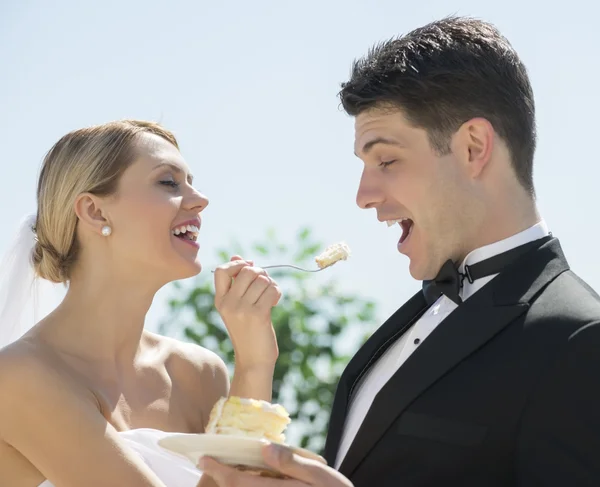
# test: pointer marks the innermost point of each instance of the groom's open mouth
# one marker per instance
(407, 226)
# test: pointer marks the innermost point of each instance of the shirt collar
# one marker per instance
(535, 232)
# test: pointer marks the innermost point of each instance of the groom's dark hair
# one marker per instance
(446, 73)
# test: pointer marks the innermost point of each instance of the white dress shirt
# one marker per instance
(393, 358)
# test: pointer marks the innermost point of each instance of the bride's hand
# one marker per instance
(244, 296)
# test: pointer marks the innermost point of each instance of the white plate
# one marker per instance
(230, 450)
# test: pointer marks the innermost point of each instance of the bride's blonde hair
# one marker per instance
(88, 160)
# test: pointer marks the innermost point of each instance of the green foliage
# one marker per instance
(317, 326)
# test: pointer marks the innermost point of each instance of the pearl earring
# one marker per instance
(106, 230)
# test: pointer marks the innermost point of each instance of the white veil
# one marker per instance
(19, 287)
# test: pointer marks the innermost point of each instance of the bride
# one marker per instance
(87, 392)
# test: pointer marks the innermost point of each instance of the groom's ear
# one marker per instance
(473, 145)
(89, 209)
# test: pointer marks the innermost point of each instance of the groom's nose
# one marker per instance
(370, 192)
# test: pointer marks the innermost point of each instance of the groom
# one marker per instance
(490, 376)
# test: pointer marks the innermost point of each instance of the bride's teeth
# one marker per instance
(193, 229)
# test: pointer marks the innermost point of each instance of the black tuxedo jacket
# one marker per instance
(504, 392)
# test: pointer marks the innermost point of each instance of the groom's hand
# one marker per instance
(303, 472)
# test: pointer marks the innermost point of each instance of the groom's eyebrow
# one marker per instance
(176, 168)
(379, 140)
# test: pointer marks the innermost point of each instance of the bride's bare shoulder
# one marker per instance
(34, 383)
(185, 355)
(201, 373)
(30, 366)
(24, 359)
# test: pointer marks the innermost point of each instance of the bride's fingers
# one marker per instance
(256, 289)
(246, 277)
(224, 275)
(269, 298)
(237, 257)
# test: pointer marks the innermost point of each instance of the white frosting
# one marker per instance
(264, 405)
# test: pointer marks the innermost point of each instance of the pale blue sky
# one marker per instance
(250, 90)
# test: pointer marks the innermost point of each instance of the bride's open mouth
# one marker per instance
(187, 232)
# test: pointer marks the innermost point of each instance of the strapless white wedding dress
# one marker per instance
(172, 469)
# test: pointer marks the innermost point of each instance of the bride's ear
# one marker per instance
(89, 210)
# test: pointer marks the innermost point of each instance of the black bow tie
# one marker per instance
(449, 280)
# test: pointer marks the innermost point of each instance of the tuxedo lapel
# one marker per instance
(376, 345)
(464, 331)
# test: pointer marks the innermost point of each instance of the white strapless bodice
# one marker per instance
(172, 469)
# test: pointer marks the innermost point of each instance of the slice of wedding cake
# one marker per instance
(253, 418)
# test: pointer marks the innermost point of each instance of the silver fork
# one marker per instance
(290, 266)
(294, 267)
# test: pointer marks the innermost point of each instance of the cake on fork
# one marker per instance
(332, 254)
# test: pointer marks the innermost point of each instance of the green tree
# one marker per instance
(317, 328)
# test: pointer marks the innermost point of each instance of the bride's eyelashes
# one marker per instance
(170, 182)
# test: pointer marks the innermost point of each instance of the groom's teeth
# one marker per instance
(393, 222)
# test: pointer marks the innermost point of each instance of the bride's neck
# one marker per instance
(102, 318)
